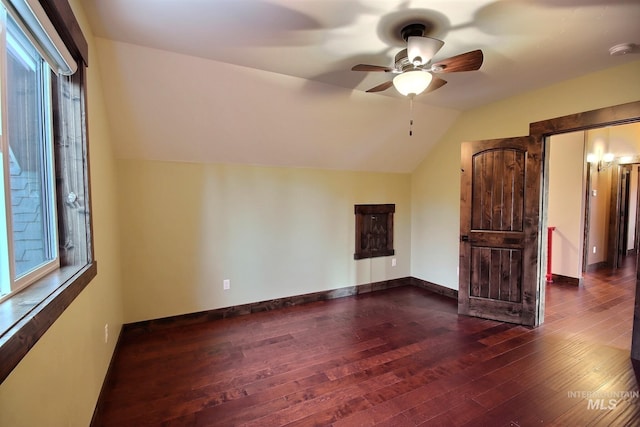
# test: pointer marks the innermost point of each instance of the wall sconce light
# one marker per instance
(602, 163)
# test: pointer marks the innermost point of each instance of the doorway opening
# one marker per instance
(516, 171)
(591, 194)
(542, 131)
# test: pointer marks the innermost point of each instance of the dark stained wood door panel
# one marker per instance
(500, 188)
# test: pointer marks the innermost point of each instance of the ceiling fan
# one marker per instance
(413, 67)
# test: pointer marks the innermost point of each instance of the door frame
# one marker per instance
(636, 243)
(621, 223)
(586, 218)
(541, 131)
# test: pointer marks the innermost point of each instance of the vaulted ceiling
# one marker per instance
(527, 44)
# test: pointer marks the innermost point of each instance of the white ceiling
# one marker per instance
(526, 43)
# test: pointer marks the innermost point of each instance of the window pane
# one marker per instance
(29, 154)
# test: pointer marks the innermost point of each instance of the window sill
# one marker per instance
(26, 316)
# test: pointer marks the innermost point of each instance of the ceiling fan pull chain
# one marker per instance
(410, 115)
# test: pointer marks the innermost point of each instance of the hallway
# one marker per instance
(601, 310)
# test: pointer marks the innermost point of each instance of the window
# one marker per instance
(28, 227)
(45, 221)
(42, 153)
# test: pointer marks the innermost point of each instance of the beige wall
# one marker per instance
(565, 208)
(624, 140)
(435, 184)
(248, 224)
(58, 382)
(273, 232)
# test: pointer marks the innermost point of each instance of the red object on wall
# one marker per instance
(549, 253)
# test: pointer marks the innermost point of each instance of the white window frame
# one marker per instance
(10, 283)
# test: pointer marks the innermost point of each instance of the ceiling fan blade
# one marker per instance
(381, 87)
(366, 67)
(469, 61)
(436, 83)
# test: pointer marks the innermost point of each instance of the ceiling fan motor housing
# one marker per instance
(420, 49)
(412, 30)
(402, 62)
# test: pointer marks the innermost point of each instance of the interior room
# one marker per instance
(238, 153)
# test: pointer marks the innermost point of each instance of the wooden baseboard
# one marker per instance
(105, 384)
(596, 266)
(438, 289)
(558, 278)
(274, 304)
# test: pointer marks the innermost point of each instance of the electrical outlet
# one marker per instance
(226, 284)
(594, 249)
(393, 262)
(106, 333)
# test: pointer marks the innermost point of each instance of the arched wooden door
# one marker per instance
(499, 229)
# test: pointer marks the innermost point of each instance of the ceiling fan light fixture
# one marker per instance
(421, 50)
(412, 82)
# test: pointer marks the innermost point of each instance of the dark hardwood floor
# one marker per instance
(400, 357)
